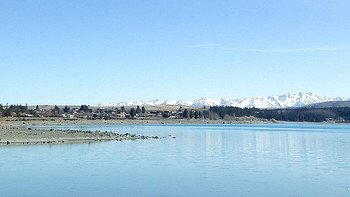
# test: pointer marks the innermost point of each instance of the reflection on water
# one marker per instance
(203, 160)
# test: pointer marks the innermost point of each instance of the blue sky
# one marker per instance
(75, 52)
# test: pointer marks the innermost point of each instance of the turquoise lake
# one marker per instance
(203, 160)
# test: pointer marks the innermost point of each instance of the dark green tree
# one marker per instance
(165, 114)
(25, 109)
(56, 109)
(196, 114)
(66, 109)
(15, 110)
(143, 109)
(138, 110)
(84, 108)
(200, 115)
(7, 112)
(122, 109)
(132, 112)
(206, 114)
(2, 110)
(185, 114)
(191, 114)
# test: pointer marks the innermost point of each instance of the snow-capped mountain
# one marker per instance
(283, 101)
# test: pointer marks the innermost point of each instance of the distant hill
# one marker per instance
(330, 104)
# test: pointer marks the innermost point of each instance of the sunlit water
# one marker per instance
(203, 160)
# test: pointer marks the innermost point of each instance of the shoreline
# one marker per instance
(25, 121)
(23, 131)
(14, 132)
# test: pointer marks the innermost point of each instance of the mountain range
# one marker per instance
(283, 101)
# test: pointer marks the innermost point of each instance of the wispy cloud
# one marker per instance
(257, 50)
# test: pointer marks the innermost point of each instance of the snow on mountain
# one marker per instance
(283, 101)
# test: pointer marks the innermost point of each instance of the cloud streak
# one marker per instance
(293, 50)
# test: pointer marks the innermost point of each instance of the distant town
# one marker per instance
(87, 112)
(319, 113)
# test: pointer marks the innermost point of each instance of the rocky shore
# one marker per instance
(17, 133)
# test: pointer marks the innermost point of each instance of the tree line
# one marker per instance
(190, 114)
(295, 114)
(15, 110)
(215, 112)
(138, 110)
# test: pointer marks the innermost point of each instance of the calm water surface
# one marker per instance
(203, 160)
